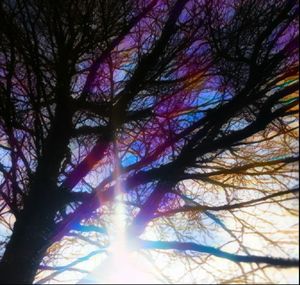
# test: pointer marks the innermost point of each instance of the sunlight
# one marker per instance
(122, 266)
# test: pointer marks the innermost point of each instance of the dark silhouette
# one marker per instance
(189, 105)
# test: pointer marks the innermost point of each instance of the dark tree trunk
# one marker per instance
(27, 246)
(34, 226)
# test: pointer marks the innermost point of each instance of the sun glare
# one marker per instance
(122, 266)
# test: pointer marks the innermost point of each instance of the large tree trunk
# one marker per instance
(35, 224)
(27, 246)
(34, 227)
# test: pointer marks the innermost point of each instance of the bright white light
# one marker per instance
(123, 266)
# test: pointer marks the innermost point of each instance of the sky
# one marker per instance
(119, 265)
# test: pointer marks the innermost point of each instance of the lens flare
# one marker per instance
(123, 265)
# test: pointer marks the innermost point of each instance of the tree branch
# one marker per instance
(190, 246)
(250, 203)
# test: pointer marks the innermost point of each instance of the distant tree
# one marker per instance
(189, 106)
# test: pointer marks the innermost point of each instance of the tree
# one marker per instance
(188, 106)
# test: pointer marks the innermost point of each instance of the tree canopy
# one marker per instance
(185, 112)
